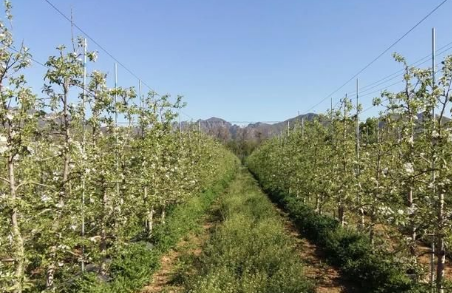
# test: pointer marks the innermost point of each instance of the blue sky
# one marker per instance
(253, 60)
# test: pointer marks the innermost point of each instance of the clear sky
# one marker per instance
(241, 60)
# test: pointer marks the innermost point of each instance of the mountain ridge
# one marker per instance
(257, 131)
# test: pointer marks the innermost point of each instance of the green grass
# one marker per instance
(250, 251)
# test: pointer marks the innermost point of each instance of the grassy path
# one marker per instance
(167, 278)
(326, 278)
(246, 245)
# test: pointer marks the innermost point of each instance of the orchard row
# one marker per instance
(389, 178)
(76, 189)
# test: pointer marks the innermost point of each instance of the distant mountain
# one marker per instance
(259, 131)
(226, 131)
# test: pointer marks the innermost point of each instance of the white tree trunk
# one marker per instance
(19, 253)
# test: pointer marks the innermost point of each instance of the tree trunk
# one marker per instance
(322, 196)
(63, 186)
(371, 230)
(341, 213)
(441, 253)
(373, 210)
(412, 225)
(150, 219)
(317, 203)
(51, 270)
(162, 218)
(66, 153)
(19, 253)
(103, 234)
(362, 221)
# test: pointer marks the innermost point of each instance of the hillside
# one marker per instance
(258, 131)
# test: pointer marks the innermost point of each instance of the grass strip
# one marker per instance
(250, 251)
